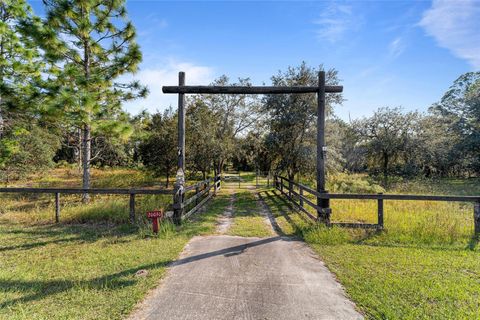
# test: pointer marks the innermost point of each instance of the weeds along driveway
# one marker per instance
(88, 270)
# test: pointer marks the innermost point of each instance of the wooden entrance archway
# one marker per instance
(320, 90)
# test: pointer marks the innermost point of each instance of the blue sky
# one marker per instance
(388, 53)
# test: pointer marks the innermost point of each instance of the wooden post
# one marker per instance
(301, 195)
(180, 178)
(177, 204)
(132, 207)
(181, 123)
(290, 190)
(239, 179)
(197, 189)
(380, 212)
(476, 218)
(57, 207)
(324, 204)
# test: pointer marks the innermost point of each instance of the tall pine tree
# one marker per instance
(90, 44)
(19, 69)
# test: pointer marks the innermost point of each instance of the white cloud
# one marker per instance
(455, 25)
(396, 47)
(167, 75)
(336, 21)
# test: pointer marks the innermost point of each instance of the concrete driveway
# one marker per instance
(226, 277)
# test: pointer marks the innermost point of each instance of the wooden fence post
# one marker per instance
(178, 204)
(57, 207)
(324, 213)
(132, 207)
(180, 177)
(380, 212)
(290, 190)
(197, 189)
(476, 218)
(301, 195)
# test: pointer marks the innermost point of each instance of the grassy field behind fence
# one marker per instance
(423, 265)
(85, 266)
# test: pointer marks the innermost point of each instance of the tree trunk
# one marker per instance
(204, 174)
(168, 180)
(78, 150)
(86, 154)
(220, 165)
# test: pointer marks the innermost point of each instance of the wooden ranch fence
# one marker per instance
(187, 200)
(296, 193)
(200, 195)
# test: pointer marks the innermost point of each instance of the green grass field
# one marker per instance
(84, 267)
(424, 265)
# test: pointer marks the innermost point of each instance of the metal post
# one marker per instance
(57, 207)
(132, 207)
(476, 218)
(380, 212)
(324, 204)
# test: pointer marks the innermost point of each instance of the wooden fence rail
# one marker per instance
(299, 199)
(58, 191)
(201, 188)
(184, 205)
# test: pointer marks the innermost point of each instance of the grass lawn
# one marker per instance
(425, 265)
(84, 267)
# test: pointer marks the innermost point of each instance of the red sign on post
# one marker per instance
(154, 215)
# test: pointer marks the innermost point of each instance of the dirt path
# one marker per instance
(264, 210)
(225, 221)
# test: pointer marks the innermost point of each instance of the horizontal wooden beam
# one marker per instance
(82, 191)
(356, 225)
(248, 89)
(399, 197)
(373, 196)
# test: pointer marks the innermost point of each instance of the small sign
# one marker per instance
(155, 214)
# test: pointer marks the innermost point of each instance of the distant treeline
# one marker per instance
(61, 101)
